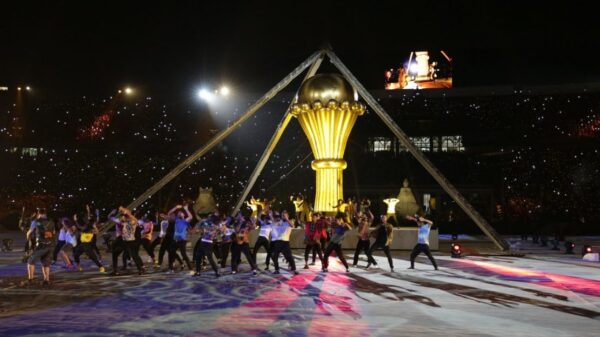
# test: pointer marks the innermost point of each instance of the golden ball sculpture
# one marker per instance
(324, 88)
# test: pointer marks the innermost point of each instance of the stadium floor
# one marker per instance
(536, 295)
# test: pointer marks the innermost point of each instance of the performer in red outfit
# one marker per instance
(313, 230)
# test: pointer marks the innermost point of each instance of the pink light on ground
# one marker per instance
(336, 305)
(337, 308)
(557, 281)
(255, 317)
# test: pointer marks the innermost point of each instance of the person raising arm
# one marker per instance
(422, 245)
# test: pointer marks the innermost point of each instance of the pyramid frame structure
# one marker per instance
(313, 63)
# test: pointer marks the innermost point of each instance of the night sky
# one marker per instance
(71, 48)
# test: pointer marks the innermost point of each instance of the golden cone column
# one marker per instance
(327, 108)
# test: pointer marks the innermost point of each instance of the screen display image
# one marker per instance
(421, 70)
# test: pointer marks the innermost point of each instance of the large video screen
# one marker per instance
(421, 70)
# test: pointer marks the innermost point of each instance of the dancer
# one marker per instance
(147, 228)
(365, 205)
(135, 245)
(69, 231)
(235, 222)
(226, 239)
(384, 234)
(117, 246)
(312, 238)
(253, 204)
(138, 242)
(281, 241)
(300, 208)
(263, 239)
(265, 205)
(352, 208)
(339, 231)
(422, 245)
(391, 208)
(242, 238)
(364, 223)
(85, 245)
(161, 235)
(182, 224)
(167, 230)
(340, 207)
(90, 219)
(216, 220)
(71, 241)
(324, 238)
(204, 246)
(61, 242)
(125, 240)
(42, 229)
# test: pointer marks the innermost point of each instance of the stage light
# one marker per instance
(587, 249)
(414, 68)
(456, 250)
(128, 91)
(224, 91)
(569, 246)
(120, 91)
(206, 95)
(18, 88)
(28, 88)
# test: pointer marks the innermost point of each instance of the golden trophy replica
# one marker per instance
(327, 108)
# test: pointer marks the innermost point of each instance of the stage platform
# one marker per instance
(541, 294)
